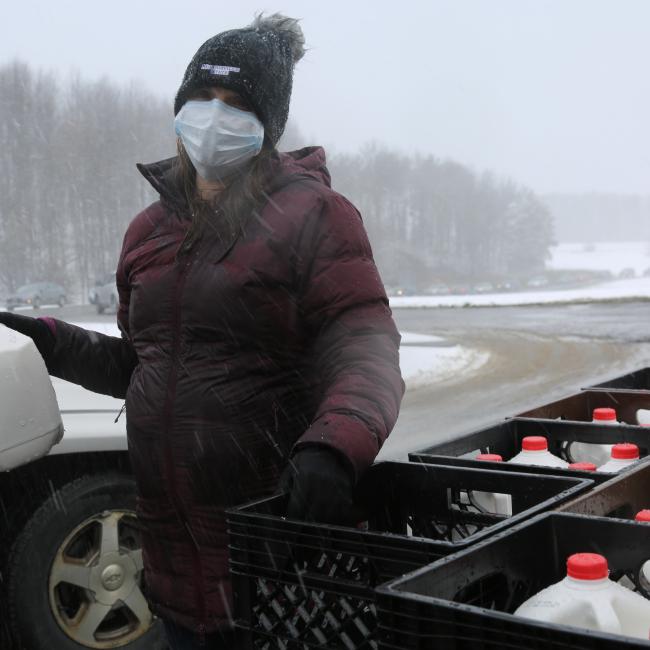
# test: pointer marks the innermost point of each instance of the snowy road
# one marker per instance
(537, 354)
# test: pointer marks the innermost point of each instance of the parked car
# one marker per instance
(37, 294)
(483, 287)
(438, 289)
(537, 281)
(106, 294)
(627, 273)
(509, 285)
(70, 556)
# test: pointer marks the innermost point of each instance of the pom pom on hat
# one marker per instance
(287, 28)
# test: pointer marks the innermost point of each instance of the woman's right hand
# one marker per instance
(36, 328)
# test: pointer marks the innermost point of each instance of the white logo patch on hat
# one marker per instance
(222, 70)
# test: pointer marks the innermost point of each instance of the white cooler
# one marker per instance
(30, 421)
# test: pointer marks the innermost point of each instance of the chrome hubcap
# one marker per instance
(112, 577)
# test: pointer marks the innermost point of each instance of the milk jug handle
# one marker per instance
(606, 616)
(643, 416)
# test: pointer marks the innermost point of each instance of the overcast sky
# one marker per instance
(554, 93)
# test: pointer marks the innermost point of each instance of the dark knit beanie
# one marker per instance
(257, 62)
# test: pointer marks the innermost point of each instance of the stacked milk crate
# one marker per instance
(450, 544)
(577, 578)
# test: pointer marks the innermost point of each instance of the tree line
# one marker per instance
(69, 188)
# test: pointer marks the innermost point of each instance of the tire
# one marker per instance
(61, 301)
(37, 303)
(76, 523)
(100, 308)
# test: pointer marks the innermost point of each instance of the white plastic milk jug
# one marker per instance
(493, 502)
(30, 421)
(624, 454)
(591, 452)
(587, 598)
(534, 451)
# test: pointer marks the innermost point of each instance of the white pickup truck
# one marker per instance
(70, 558)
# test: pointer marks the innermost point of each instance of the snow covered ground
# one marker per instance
(105, 327)
(427, 360)
(605, 256)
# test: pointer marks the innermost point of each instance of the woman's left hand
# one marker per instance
(36, 328)
(320, 486)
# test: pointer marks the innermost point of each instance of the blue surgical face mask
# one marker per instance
(218, 138)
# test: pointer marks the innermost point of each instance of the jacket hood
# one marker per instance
(287, 167)
(308, 162)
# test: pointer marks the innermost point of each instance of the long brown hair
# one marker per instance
(242, 196)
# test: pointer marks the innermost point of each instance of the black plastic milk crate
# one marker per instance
(467, 600)
(304, 585)
(623, 496)
(580, 407)
(636, 381)
(505, 438)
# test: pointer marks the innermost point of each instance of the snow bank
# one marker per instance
(616, 290)
(409, 338)
(428, 359)
(424, 366)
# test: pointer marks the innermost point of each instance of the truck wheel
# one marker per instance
(75, 571)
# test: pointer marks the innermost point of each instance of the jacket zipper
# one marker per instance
(169, 463)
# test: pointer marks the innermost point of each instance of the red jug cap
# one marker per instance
(604, 414)
(625, 451)
(495, 458)
(585, 467)
(587, 566)
(534, 443)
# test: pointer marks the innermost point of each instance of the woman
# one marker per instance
(256, 333)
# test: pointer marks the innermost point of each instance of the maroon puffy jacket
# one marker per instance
(231, 356)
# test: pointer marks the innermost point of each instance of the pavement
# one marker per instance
(536, 355)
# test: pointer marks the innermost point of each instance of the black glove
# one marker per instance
(320, 487)
(35, 328)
